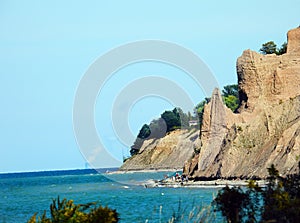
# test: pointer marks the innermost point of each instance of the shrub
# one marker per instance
(279, 201)
(67, 211)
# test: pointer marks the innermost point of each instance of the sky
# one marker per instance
(46, 47)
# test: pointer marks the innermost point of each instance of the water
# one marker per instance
(23, 194)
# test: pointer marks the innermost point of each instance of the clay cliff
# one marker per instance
(169, 152)
(266, 129)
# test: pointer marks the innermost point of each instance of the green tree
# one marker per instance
(158, 128)
(275, 198)
(231, 96)
(144, 133)
(232, 203)
(199, 110)
(268, 48)
(281, 197)
(231, 89)
(169, 121)
(279, 201)
(189, 116)
(231, 102)
(184, 118)
(271, 47)
(172, 119)
(135, 148)
(282, 49)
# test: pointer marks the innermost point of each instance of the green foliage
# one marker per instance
(136, 146)
(231, 89)
(175, 119)
(271, 47)
(231, 202)
(66, 211)
(231, 99)
(268, 48)
(279, 201)
(158, 128)
(199, 109)
(253, 202)
(172, 119)
(183, 119)
(282, 49)
(231, 96)
(232, 102)
(144, 132)
(281, 197)
(169, 121)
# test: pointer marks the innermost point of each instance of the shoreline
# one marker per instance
(144, 171)
(208, 183)
(189, 184)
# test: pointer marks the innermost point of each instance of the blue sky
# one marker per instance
(47, 46)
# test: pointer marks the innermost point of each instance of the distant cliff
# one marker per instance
(169, 152)
(266, 129)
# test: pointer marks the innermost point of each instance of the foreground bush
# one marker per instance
(68, 212)
(278, 201)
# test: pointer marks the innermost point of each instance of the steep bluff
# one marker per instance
(213, 130)
(266, 129)
(169, 152)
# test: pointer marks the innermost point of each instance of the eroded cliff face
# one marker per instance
(267, 128)
(265, 131)
(169, 152)
(213, 130)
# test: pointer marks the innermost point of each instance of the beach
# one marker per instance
(171, 182)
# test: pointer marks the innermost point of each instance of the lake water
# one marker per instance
(23, 194)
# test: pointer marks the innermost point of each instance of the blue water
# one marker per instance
(23, 194)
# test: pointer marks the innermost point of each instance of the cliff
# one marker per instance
(264, 131)
(169, 152)
(266, 128)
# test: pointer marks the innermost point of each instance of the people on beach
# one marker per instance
(179, 178)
